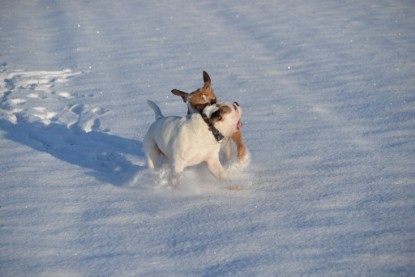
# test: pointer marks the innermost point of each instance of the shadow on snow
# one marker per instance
(107, 157)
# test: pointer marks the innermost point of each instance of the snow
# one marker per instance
(329, 118)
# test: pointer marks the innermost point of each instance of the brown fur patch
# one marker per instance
(218, 115)
(201, 96)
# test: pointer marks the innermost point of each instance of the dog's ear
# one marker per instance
(206, 80)
(182, 94)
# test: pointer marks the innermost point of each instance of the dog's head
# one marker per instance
(225, 117)
(200, 98)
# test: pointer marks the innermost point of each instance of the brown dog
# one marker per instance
(202, 97)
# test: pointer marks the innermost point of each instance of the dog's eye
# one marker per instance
(213, 101)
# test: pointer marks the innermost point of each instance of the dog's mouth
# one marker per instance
(239, 125)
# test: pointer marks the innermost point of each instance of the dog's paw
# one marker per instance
(233, 187)
(244, 160)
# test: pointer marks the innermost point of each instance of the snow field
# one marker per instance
(329, 115)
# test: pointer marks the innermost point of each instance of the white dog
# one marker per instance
(190, 140)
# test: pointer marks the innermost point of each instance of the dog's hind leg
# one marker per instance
(152, 153)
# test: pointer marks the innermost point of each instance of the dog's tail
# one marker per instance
(156, 109)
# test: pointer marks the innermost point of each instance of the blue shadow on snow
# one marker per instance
(104, 155)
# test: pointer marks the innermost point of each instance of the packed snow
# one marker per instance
(328, 92)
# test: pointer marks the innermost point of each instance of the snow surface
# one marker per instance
(328, 91)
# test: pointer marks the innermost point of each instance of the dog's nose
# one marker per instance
(235, 106)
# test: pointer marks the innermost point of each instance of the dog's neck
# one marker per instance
(215, 132)
(200, 110)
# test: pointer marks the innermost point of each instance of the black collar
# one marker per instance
(215, 132)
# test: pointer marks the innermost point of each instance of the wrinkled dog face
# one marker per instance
(200, 98)
(225, 117)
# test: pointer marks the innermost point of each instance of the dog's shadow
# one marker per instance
(109, 158)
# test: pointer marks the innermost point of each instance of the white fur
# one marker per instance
(187, 141)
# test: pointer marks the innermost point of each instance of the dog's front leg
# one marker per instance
(240, 146)
(216, 168)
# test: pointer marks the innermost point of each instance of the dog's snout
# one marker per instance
(236, 103)
(213, 101)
